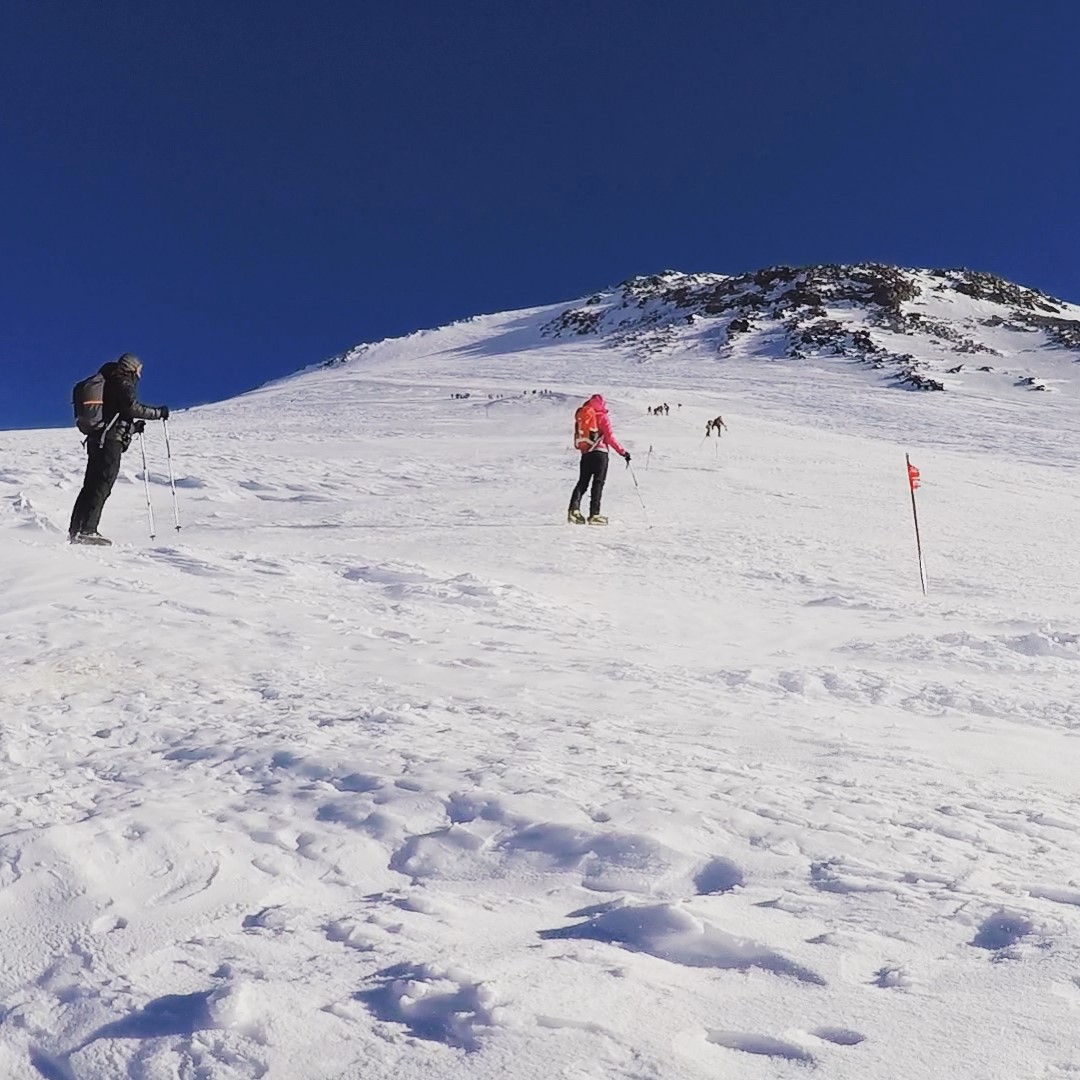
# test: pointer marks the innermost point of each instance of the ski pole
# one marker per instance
(648, 458)
(172, 481)
(637, 488)
(146, 485)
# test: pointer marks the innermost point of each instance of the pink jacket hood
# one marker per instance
(607, 437)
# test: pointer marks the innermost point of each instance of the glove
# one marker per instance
(626, 456)
(139, 427)
(164, 410)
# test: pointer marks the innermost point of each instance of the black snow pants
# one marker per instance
(102, 468)
(594, 465)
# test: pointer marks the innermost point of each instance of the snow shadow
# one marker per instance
(52, 1068)
(519, 335)
(172, 1014)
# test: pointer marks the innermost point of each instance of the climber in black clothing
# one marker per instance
(123, 415)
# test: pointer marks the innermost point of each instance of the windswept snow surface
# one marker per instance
(379, 769)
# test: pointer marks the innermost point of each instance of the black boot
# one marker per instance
(94, 538)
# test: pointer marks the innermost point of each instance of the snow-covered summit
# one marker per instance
(960, 330)
(917, 326)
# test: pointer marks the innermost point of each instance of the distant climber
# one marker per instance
(592, 436)
(718, 425)
(116, 416)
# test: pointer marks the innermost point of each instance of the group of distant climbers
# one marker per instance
(500, 397)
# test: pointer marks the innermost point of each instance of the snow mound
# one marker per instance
(25, 515)
(670, 932)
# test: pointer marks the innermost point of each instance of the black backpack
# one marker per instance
(88, 400)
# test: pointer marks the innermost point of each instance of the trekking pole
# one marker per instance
(637, 488)
(146, 485)
(172, 481)
(648, 457)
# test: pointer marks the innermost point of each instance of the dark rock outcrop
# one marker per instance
(831, 311)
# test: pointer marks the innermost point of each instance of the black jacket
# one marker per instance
(120, 406)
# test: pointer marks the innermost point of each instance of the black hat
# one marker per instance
(129, 362)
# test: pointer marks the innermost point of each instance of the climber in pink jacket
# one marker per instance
(592, 436)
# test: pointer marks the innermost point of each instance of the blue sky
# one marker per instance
(235, 190)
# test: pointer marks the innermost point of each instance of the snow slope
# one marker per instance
(378, 769)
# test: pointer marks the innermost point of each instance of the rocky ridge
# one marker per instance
(916, 326)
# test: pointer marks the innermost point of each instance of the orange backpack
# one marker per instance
(586, 428)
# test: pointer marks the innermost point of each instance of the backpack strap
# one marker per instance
(105, 430)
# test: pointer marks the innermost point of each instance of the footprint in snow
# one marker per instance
(718, 875)
(839, 1036)
(309, 497)
(443, 1004)
(106, 924)
(763, 1045)
(892, 978)
(275, 919)
(398, 636)
(185, 563)
(1002, 930)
